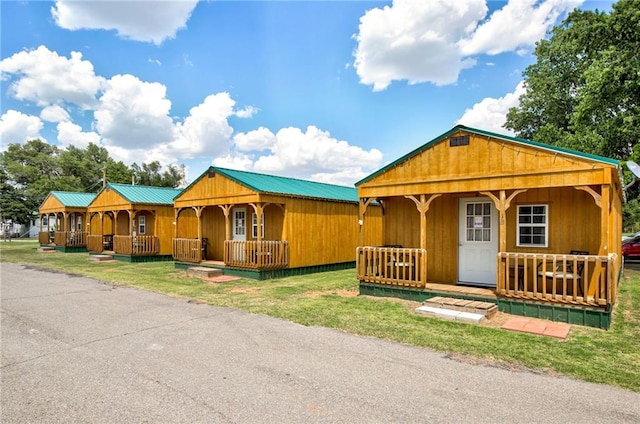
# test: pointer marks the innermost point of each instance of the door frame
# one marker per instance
(487, 275)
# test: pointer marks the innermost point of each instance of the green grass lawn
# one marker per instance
(330, 300)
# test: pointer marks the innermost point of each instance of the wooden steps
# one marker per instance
(46, 249)
(203, 272)
(458, 309)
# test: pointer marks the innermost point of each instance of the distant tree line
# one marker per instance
(28, 172)
(583, 92)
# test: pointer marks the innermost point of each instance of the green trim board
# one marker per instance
(271, 273)
(136, 259)
(589, 317)
(292, 187)
(71, 249)
(516, 140)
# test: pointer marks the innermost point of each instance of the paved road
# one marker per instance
(77, 350)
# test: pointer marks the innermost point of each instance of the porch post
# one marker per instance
(423, 206)
(604, 220)
(502, 204)
(132, 216)
(364, 203)
(198, 210)
(226, 210)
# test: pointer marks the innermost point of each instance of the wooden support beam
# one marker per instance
(592, 192)
(502, 203)
(226, 210)
(423, 206)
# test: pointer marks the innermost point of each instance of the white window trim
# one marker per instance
(545, 225)
(142, 224)
(254, 225)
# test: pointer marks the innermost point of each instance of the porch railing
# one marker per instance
(588, 280)
(135, 246)
(71, 238)
(44, 237)
(94, 243)
(263, 255)
(187, 250)
(392, 265)
(59, 238)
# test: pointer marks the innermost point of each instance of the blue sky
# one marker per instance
(329, 91)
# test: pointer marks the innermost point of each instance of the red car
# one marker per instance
(631, 248)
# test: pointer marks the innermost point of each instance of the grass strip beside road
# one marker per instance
(330, 300)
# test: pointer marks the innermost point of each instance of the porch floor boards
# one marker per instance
(463, 290)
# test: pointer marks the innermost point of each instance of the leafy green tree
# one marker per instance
(151, 174)
(583, 91)
(13, 205)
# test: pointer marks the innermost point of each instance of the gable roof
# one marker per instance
(73, 199)
(271, 184)
(492, 135)
(145, 194)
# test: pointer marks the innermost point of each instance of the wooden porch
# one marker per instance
(123, 244)
(256, 254)
(63, 238)
(569, 280)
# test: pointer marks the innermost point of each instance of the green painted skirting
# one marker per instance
(417, 295)
(72, 249)
(598, 318)
(590, 317)
(153, 258)
(270, 274)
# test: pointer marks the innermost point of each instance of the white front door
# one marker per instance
(477, 241)
(239, 234)
(239, 224)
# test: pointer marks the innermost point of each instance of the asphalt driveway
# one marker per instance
(78, 350)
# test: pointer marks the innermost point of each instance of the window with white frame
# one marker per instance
(254, 225)
(142, 224)
(533, 225)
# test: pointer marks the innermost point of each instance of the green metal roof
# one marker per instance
(73, 199)
(493, 135)
(145, 194)
(263, 183)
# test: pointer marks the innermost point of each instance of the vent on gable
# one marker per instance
(460, 140)
(211, 173)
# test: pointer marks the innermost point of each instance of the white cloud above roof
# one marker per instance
(43, 77)
(142, 20)
(72, 134)
(17, 127)
(434, 41)
(490, 113)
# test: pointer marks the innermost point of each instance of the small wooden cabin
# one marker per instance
(537, 225)
(132, 222)
(64, 213)
(262, 226)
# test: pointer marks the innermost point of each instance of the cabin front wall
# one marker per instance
(574, 224)
(322, 232)
(213, 226)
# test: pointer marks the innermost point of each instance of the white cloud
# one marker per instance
(133, 113)
(247, 112)
(491, 114)
(433, 41)
(206, 131)
(45, 78)
(16, 127)
(72, 134)
(54, 113)
(148, 21)
(257, 140)
(517, 25)
(239, 161)
(315, 152)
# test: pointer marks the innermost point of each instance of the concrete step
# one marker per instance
(100, 258)
(203, 272)
(46, 249)
(458, 309)
(488, 309)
